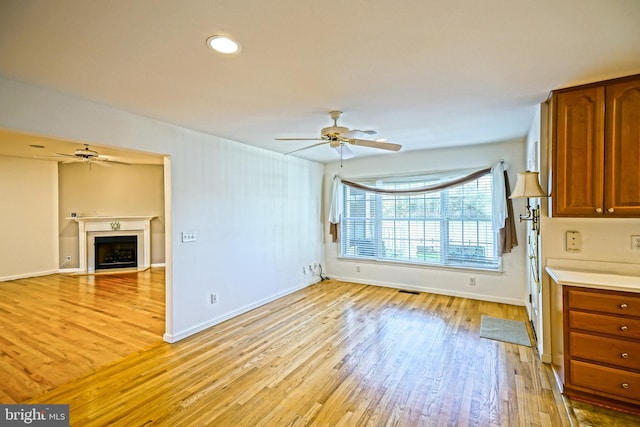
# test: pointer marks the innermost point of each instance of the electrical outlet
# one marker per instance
(635, 243)
(357, 269)
(304, 270)
(472, 281)
(68, 257)
(574, 241)
(214, 298)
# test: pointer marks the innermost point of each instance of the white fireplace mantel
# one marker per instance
(91, 226)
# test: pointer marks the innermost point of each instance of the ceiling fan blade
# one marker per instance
(366, 132)
(49, 157)
(344, 151)
(299, 139)
(376, 144)
(65, 155)
(308, 146)
(103, 161)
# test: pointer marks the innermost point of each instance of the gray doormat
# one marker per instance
(512, 331)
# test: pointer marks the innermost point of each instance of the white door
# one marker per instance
(535, 295)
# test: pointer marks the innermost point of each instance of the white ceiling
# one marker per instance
(424, 73)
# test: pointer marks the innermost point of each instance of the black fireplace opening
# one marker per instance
(116, 252)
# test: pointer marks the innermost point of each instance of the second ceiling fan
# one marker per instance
(339, 137)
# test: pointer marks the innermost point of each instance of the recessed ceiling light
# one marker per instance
(223, 45)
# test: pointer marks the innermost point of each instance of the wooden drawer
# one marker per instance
(607, 380)
(619, 326)
(625, 354)
(613, 303)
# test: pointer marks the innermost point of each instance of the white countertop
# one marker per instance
(594, 279)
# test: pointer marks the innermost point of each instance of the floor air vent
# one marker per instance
(404, 291)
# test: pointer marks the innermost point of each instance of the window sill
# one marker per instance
(498, 271)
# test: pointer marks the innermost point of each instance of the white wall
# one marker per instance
(508, 286)
(602, 239)
(28, 217)
(118, 190)
(256, 213)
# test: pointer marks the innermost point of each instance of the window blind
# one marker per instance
(450, 227)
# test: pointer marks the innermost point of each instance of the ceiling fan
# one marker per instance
(85, 155)
(338, 137)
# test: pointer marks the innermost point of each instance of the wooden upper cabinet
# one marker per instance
(578, 161)
(596, 150)
(622, 142)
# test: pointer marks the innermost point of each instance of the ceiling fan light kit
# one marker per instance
(85, 155)
(337, 136)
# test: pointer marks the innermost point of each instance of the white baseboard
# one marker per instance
(448, 292)
(558, 380)
(161, 264)
(27, 275)
(48, 272)
(172, 338)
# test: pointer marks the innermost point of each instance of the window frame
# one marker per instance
(492, 263)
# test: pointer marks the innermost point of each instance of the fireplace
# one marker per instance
(116, 252)
(91, 228)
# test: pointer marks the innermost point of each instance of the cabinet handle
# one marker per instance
(610, 210)
(625, 355)
(624, 306)
(599, 210)
(624, 328)
(625, 385)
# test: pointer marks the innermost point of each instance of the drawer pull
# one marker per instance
(610, 210)
(625, 386)
(625, 355)
(624, 328)
(599, 210)
(624, 306)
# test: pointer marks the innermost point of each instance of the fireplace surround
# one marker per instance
(90, 228)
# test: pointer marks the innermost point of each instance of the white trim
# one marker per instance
(558, 379)
(172, 338)
(160, 264)
(438, 291)
(27, 275)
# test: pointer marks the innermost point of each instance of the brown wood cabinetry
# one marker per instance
(602, 347)
(596, 149)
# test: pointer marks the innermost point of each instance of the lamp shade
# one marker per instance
(527, 185)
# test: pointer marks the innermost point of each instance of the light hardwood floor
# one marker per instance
(54, 329)
(331, 354)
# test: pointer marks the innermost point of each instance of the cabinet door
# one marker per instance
(578, 156)
(622, 141)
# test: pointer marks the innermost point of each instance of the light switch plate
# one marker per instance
(189, 236)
